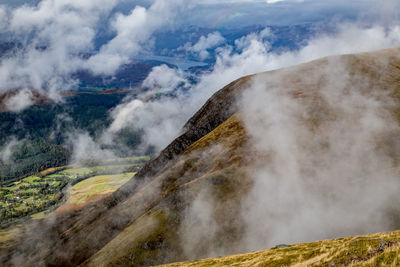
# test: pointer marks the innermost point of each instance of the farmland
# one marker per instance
(92, 189)
(49, 188)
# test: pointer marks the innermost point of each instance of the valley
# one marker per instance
(64, 188)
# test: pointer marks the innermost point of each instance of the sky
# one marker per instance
(243, 13)
(237, 13)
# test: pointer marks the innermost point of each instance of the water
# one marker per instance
(181, 63)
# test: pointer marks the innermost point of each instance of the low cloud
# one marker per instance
(320, 172)
(245, 41)
(201, 48)
(160, 120)
(123, 114)
(133, 35)
(163, 79)
(19, 101)
(159, 111)
(85, 148)
(199, 219)
(7, 150)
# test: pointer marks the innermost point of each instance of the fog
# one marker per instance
(7, 150)
(322, 175)
(321, 155)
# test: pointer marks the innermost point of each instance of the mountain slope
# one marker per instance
(381, 249)
(159, 216)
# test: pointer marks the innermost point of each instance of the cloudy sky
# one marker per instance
(69, 28)
(236, 13)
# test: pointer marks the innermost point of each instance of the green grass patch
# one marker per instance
(55, 176)
(76, 171)
(97, 185)
(31, 179)
(56, 183)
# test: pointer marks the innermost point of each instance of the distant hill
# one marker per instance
(148, 220)
(281, 37)
(128, 76)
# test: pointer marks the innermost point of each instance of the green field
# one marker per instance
(38, 193)
(31, 194)
(97, 185)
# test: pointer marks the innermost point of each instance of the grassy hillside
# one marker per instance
(93, 189)
(158, 228)
(381, 249)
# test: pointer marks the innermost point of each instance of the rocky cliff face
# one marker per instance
(147, 220)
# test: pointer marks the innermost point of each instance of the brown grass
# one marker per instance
(382, 249)
(52, 170)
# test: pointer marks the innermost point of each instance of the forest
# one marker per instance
(41, 133)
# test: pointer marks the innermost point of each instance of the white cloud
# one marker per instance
(277, 1)
(273, 1)
(163, 79)
(85, 148)
(318, 180)
(7, 150)
(160, 119)
(203, 44)
(260, 37)
(124, 114)
(19, 101)
(133, 33)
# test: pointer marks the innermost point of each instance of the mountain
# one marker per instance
(380, 249)
(190, 201)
